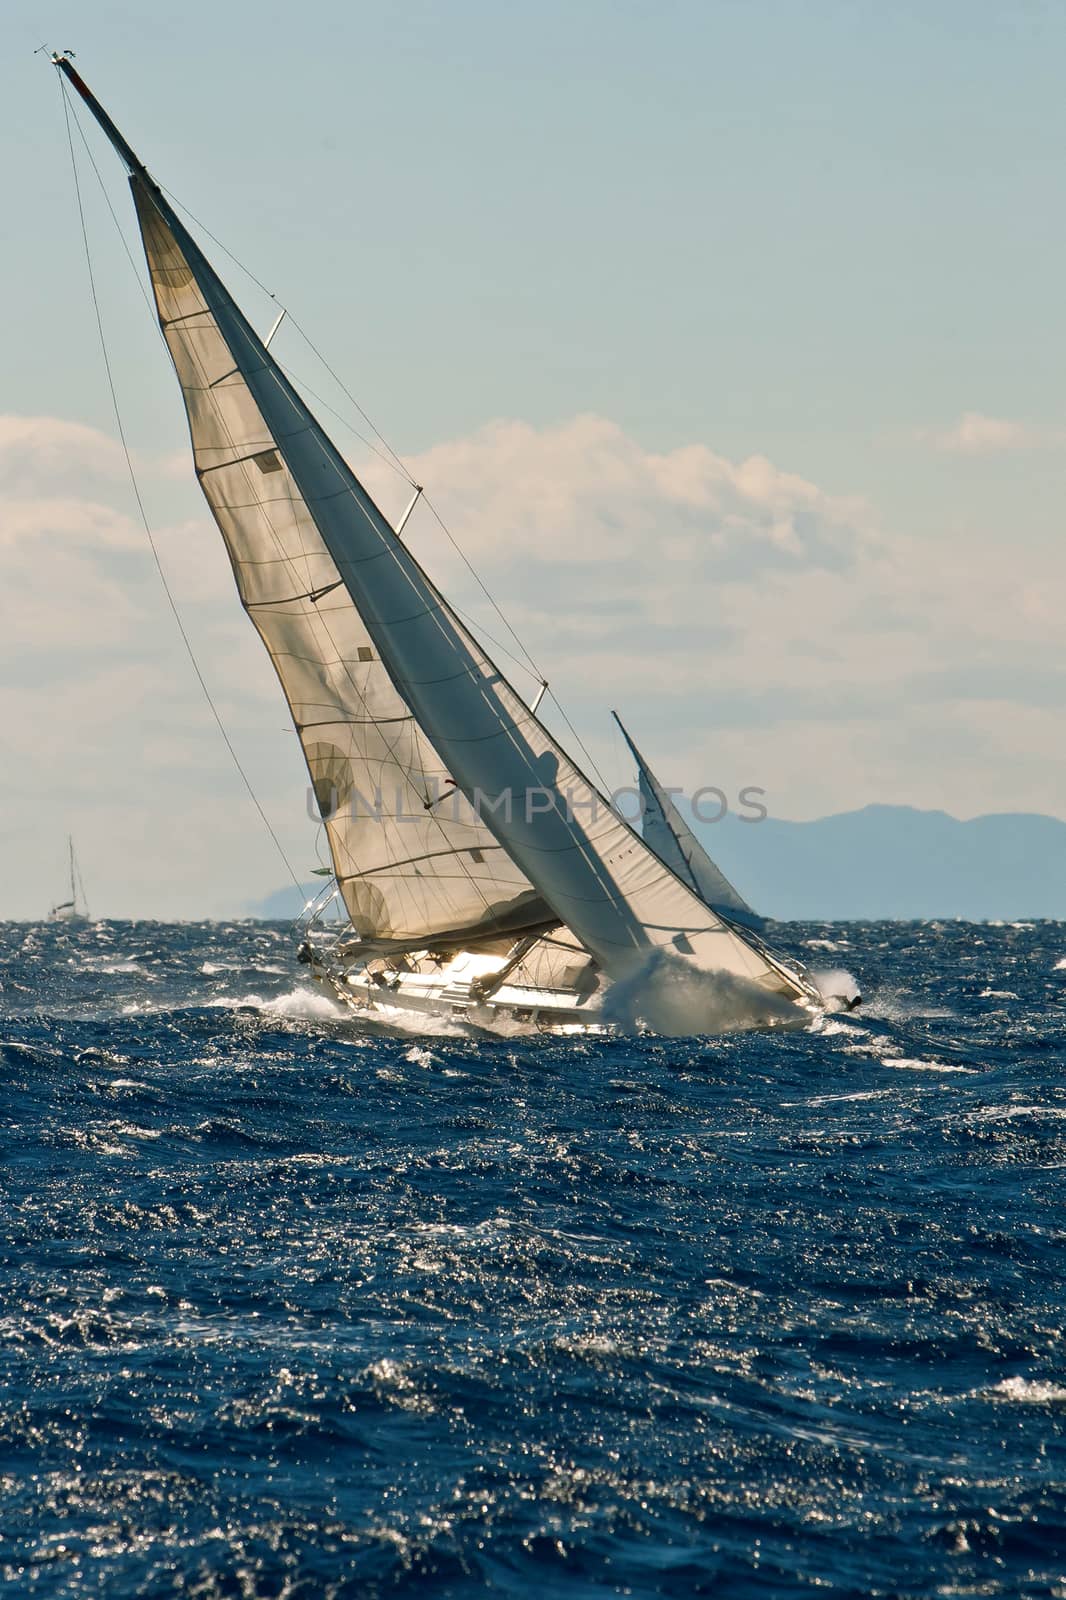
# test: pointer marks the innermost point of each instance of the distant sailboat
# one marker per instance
(664, 828)
(497, 885)
(75, 909)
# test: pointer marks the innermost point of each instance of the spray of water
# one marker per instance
(672, 997)
(837, 988)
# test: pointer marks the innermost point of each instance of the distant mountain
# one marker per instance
(895, 861)
(284, 904)
(882, 861)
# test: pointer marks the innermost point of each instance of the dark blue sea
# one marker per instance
(293, 1310)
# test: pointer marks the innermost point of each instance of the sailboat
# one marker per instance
(74, 909)
(482, 874)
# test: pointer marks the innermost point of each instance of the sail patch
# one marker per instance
(331, 776)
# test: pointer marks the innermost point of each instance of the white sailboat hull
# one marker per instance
(465, 989)
(458, 990)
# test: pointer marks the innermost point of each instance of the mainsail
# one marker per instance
(664, 828)
(412, 862)
(270, 466)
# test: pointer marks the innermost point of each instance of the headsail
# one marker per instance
(592, 870)
(664, 828)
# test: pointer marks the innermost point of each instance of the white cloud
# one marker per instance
(67, 518)
(31, 447)
(585, 490)
(732, 606)
(977, 435)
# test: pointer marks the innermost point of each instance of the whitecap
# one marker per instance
(916, 1064)
(1007, 1113)
(302, 1004)
(112, 969)
(1029, 1391)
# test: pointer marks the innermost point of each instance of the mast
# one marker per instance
(61, 60)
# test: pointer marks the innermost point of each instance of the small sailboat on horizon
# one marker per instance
(498, 886)
(76, 908)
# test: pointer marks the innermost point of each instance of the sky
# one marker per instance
(727, 339)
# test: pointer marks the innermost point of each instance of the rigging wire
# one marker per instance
(140, 502)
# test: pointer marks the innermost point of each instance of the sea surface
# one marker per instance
(294, 1310)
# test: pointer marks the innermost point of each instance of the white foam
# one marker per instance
(671, 997)
(1029, 1391)
(1060, 966)
(306, 1005)
(309, 1004)
(827, 1026)
(210, 969)
(915, 1064)
(1007, 1113)
(111, 968)
(895, 1005)
(832, 1099)
(429, 1025)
